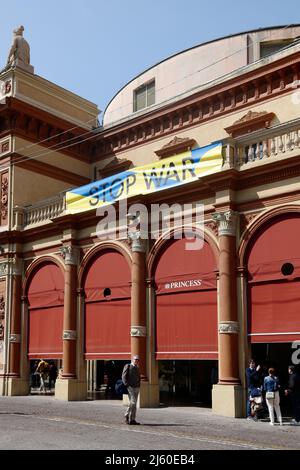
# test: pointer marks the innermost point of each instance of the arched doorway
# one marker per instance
(273, 263)
(107, 285)
(186, 322)
(45, 295)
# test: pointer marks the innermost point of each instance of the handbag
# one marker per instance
(270, 395)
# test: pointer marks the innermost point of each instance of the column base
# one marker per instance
(228, 400)
(70, 390)
(148, 397)
(14, 386)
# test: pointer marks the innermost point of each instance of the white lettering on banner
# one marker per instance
(177, 285)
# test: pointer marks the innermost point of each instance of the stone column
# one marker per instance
(16, 384)
(227, 399)
(68, 387)
(15, 319)
(70, 310)
(138, 300)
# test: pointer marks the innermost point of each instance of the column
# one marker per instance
(70, 313)
(69, 387)
(227, 398)
(16, 382)
(15, 321)
(138, 300)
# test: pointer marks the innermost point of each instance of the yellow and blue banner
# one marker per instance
(164, 174)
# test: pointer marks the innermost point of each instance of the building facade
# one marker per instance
(73, 297)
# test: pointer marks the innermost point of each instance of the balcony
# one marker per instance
(39, 213)
(265, 146)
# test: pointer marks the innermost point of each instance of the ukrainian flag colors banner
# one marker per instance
(167, 173)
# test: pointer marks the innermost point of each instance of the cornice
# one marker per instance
(30, 123)
(51, 171)
(254, 87)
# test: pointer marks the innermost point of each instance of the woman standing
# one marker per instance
(271, 387)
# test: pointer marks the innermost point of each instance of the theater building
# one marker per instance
(215, 126)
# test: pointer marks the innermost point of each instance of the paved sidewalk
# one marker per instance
(42, 422)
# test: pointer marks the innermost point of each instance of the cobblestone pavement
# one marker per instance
(42, 422)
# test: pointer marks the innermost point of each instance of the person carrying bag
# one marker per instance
(271, 387)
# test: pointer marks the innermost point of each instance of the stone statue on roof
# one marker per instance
(19, 53)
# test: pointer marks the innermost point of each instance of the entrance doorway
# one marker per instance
(102, 378)
(187, 382)
(52, 369)
(279, 356)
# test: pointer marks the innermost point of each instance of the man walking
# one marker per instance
(131, 379)
(294, 392)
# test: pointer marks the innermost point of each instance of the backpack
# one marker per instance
(120, 388)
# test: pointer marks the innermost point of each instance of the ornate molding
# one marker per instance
(250, 122)
(198, 109)
(4, 197)
(137, 242)
(229, 327)
(4, 268)
(70, 254)
(176, 145)
(227, 222)
(2, 317)
(213, 227)
(140, 331)
(70, 335)
(15, 338)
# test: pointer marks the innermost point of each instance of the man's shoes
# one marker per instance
(126, 420)
(133, 422)
(295, 423)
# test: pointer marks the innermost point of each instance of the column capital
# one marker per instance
(137, 241)
(70, 254)
(227, 222)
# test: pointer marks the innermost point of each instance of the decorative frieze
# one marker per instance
(3, 269)
(5, 146)
(2, 317)
(140, 331)
(227, 222)
(229, 327)
(70, 335)
(4, 198)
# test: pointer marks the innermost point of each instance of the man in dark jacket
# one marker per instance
(131, 380)
(293, 391)
(253, 382)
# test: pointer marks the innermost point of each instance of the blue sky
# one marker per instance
(94, 47)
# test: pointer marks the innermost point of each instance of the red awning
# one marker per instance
(107, 307)
(273, 297)
(107, 327)
(46, 310)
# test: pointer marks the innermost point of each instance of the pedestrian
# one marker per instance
(131, 379)
(52, 374)
(253, 383)
(42, 370)
(271, 387)
(293, 391)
